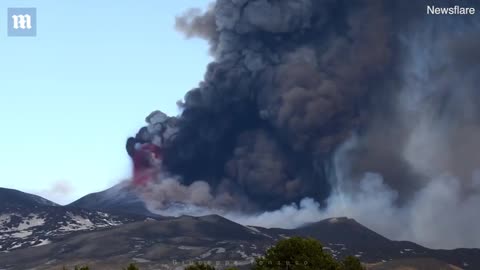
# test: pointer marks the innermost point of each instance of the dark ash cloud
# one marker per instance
(293, 82)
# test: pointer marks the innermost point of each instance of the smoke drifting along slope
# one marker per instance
(392, 91)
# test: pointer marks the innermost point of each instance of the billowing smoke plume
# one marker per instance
(286, 87)
(366, 108)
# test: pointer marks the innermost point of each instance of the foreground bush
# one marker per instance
(298, 253)
(200, 266)
(131, 267)
(352, 263)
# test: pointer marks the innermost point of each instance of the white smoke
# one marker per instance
(436, 111)
(438, 216)
(436, 106)
(168, 193)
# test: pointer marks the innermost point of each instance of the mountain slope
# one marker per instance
(152, 243)
(163, 244)
(11, 199)
(413, 264)
(37, 232)
(344, 236)
(28, 220)
(25, 228)
(120, 198)
(359, 239)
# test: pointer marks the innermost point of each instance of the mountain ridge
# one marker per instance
(70, 234)
(14, 198)
(120, 198)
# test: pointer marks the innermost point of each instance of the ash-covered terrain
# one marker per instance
(120, 198)
(42, 235)
(27, 220)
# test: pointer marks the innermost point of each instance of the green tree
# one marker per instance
(297, 253)
(131, 267)
(200, 266)
(82, 268)
(352, 263)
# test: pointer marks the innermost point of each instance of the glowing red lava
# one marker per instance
(145, 163)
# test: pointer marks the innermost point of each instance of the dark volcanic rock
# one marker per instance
(120, 198)
(37, 233)
(11, 199)
(28, 220)
(159, 244)
(156, 242)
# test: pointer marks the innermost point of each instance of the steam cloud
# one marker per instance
(362, 108)
(58, 191)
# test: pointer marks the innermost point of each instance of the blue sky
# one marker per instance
(71, 96)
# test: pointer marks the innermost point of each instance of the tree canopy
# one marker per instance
(200, 266)
(298, 253)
